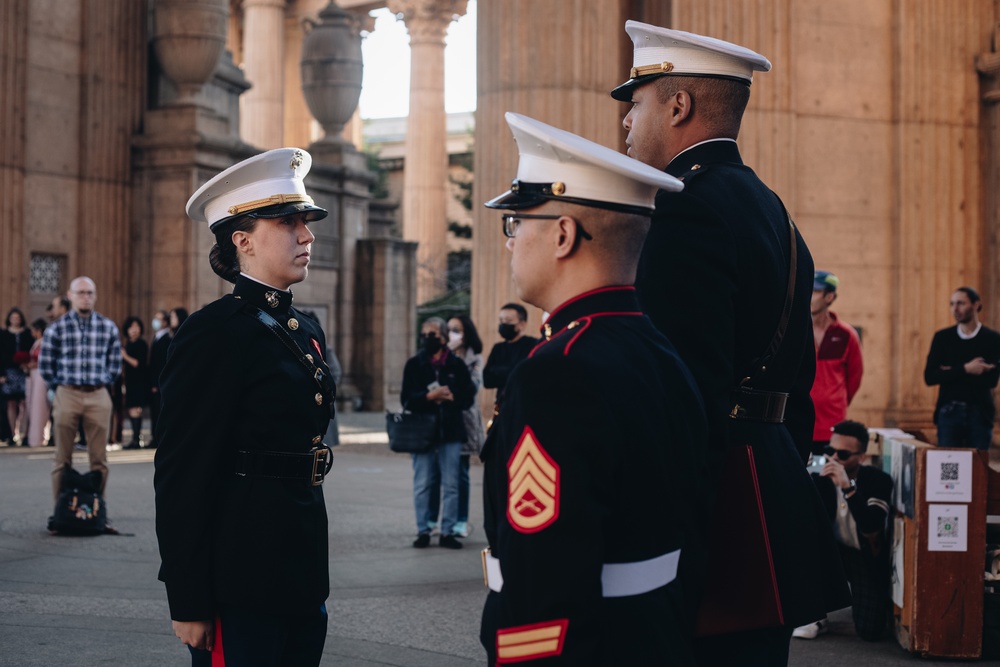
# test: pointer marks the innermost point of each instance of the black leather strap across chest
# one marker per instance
(318, 374)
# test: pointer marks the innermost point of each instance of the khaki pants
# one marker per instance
(95, 409)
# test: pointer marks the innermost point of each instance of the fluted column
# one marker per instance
(14, 17)
(425, 178)
(988, 64)
(553, 62)
(262, 117)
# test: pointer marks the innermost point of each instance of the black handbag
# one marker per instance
(411, 432)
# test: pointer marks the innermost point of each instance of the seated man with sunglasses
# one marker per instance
(857, 496)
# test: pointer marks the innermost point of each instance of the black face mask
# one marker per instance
(432, 345)
(507, 331)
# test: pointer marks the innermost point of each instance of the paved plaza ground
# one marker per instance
(96, 601)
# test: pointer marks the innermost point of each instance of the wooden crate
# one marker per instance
(942, 612)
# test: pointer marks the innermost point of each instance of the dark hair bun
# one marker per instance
(222, 268)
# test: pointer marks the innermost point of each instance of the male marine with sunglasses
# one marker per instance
(857, 496)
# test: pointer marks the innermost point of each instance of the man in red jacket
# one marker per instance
(838, 361)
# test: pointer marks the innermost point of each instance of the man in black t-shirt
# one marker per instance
(514, 348)
(964, 361)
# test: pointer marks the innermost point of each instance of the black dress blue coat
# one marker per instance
(608, 413)
(713, 277)
(240, 542)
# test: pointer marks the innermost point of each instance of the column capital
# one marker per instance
(427, 20)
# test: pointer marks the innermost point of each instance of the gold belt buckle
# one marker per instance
(322, 458)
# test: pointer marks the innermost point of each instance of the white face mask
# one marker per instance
(156, 324)
(454, 340)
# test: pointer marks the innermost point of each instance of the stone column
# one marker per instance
(262, 121)
(557, 69)
(988, 64)
(14, 21)
(425, 181)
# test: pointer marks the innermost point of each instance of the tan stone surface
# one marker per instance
(537, 68)
(262, 119)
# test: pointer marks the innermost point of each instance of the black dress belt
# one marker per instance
(757, 406)
(311, 467)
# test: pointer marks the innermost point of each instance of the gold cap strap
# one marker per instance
(651, 69)
(273, 200)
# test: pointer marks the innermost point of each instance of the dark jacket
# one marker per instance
(419, 373)
(158, 357)
(246, 542)
(713, 277)
(502, 360)
(948, 349)
(871, 508)
(597, 456)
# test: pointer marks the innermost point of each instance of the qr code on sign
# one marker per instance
(949, 472)
(947, 526)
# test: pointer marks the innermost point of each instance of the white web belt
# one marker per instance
(618, 580)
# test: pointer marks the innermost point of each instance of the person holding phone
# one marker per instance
(438, 382)
(857, 498)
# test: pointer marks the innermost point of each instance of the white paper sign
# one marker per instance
(949, 476)
(897, 561)
(948, 527)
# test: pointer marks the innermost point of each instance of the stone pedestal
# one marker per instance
(386, 328)
(181, 147)
(426, 177)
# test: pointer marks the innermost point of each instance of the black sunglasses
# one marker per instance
(842, 454)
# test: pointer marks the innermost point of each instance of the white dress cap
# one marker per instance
(661, 51)
(555, 165)
(268, 185)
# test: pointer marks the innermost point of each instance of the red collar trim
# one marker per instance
(599, 290)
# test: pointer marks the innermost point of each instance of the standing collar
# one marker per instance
(612, 300)
(267, 298)
(705, 152)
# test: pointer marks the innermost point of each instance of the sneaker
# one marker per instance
(462, 529)
(811, 631)
(423, 541)
(449, 542)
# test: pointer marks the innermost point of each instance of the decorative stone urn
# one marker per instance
(188, 38)
(331, 70)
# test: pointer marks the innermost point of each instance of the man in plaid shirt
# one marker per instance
(80, 357)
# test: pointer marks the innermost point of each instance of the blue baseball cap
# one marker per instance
(826, 281)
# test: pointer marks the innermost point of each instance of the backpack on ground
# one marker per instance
(80, 508)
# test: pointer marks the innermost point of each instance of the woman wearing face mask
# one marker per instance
(436, 381)
(464, 342)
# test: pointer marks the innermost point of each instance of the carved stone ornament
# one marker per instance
(188, 38)
(331, 70)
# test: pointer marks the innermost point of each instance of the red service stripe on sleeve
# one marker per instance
(218, 655)
(530, 642)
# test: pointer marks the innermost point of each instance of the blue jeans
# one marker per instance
(463, 491)
(963, 425)
(441, 462)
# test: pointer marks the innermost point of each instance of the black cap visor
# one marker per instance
(528, 195)
(312, 212)
(623, 93)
